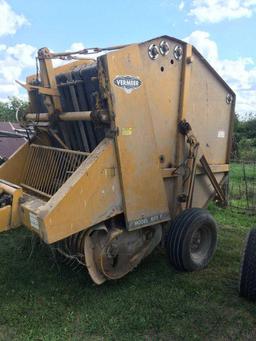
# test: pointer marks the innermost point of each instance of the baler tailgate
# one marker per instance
(48, 168)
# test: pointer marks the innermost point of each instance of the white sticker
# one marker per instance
(33, 220)
(221, 134)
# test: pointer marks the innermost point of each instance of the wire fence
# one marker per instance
(242, 186)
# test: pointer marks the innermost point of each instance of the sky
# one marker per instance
(222, 30)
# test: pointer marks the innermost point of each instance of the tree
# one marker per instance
(244, 138)
(8, 109)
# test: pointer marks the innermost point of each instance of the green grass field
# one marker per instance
(42, 301)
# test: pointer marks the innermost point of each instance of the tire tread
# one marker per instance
(177, 233)
(247, 283)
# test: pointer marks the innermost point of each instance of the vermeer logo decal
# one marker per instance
(127, 83)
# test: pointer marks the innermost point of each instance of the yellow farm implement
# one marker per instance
(127, 150)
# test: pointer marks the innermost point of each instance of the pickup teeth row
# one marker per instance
(70, 251)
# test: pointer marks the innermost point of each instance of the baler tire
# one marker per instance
(247, 281)
(190, 224)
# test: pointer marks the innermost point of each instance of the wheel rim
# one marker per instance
(200, 243)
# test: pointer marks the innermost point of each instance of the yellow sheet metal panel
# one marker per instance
(5, 218)
(142, 184)
(209, 111)
(204, 190)
(30, 208)
(162, 85)
(91, 195)
(12, 169)
(16, 193)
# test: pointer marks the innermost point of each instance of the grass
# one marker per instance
(42, 301)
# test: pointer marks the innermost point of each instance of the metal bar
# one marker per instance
(170, 172)
(49, 167)
(10, 134)
(63, 127)
(27, 167)
(32, 170)
(32, 189)
(73, 161)
(76, 107)
(84, 51)
(83, 135)
(41, 90)
(45, 170)
(192, 179)
(212, 178)
(70, 83)
(58, 184)
(49, 81)
(58, 139)
(59, 149)
(38, 167)
(53, 188)
(66, 116)
(63, 130)
(41, 174)
(183, 108)
(83, 104)
(62, 167)
(70, 166)
(48, 179)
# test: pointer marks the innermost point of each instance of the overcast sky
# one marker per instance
(223, 30)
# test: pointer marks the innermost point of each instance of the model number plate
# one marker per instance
(148, 220)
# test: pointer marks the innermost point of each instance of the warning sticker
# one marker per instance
(126, 131)
(33, 220)
(221, 134)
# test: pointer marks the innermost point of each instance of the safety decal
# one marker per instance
(126, 131)
(127, 83)
(221, 134)
(33, 220)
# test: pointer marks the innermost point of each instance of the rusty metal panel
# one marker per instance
(143, 188)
